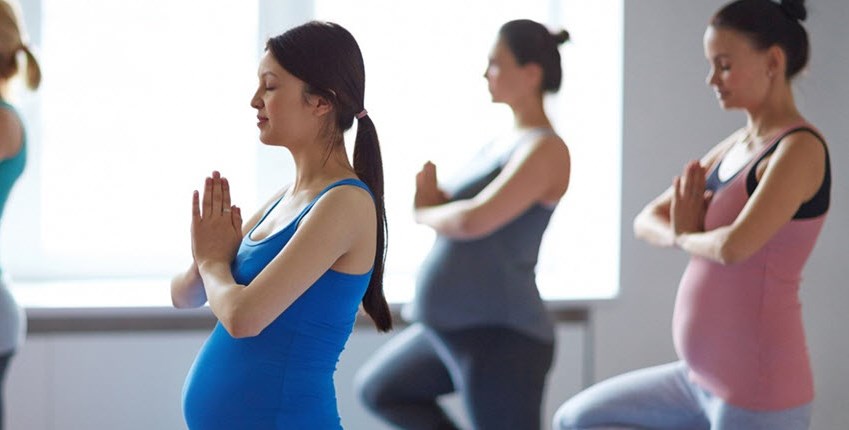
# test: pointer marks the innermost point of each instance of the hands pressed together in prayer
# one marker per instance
(689, 200)
(216, 224)
(427, 191)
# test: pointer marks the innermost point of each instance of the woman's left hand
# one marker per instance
(216, 225)
(689, 200)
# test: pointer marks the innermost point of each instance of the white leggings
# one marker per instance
(663, 397)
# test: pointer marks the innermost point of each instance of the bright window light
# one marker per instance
(426, 93)
(139, 104)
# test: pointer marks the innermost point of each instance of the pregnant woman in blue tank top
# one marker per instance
(286, 288)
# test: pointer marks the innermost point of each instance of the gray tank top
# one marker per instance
(490, 281)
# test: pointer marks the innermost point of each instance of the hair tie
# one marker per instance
(362, 114)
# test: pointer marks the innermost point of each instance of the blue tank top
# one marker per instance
(283, 377)
(489, 281)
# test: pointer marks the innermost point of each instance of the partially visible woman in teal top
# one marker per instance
(286, 287)
(13, 155)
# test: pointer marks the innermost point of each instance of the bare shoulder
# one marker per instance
(11, 134)
(347, 201)
(549, 147)
(803, 147)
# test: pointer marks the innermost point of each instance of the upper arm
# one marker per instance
(11, 134)
(794, 173)
(328, 232)
(533, 174)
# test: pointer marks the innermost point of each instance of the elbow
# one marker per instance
(468, 227)
(239, 325)
(239, 329)
(730, 252)
(637, 226)
(180, 300)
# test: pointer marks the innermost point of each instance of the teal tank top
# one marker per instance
(11, 168)
(12, 322)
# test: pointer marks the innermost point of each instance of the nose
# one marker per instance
(256, 100)
(711, 77)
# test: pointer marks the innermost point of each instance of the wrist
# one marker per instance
(208, 265)
(678, 239)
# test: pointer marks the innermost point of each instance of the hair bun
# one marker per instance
(795, 9)
(561, 37)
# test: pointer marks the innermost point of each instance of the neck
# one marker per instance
(314, 166)
(775, 113)
(529, 112)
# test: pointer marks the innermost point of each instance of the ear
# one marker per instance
(533, 73)
(320, 105)
(776, 61)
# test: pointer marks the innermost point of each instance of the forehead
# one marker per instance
(269, 64)
(723, 41)
(500, 51)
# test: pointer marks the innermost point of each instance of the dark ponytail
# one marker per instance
(368, 164)
(767, 23)
(328, 59)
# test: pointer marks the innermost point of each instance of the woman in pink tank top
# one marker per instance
(748, 214)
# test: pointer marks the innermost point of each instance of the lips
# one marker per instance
(261, 120)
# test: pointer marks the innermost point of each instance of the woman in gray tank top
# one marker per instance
(12, 160)
(480, 326)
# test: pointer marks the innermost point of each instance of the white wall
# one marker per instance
(671, 116)
(134, 380)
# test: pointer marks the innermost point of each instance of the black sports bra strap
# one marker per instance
(821, 201)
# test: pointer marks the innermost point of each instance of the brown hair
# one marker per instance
(12, 41)
(328, 59)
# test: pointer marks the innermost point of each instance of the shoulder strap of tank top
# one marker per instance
(528, 136)
(347, 181)
(751, 176)
(821, 198)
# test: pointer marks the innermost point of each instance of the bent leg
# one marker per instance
(501, 374)
(4, 364)
(724, 416)
(659, 397)
(402, 381)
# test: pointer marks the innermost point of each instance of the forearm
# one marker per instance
(187, 289)
(712, 245)
(225, 296)
(454, 220)
(655, 229)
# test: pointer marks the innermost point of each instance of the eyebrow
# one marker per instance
(267, 73)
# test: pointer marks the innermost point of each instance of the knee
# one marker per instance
(369, 389)
(567, 417)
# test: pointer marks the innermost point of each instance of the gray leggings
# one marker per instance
(4, 364)
(499, 372)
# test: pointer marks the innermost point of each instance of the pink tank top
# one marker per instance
(739, 326)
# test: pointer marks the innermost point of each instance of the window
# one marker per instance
(142, 102)
(425, 91)
(137, 105)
